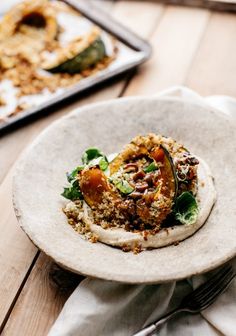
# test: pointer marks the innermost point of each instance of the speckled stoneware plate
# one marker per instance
(40, 176)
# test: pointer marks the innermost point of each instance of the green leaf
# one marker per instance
(72, 175)
(103, 163)
(151, 167)
(91, 154)
(72, 193)
(186, 208)
(94, 162)
(94, 157)
(121, 184)
(91, 157)
(124, 187)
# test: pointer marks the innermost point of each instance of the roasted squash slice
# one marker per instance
(83, 60)
(167, 173)
(156, 209)
(79, 55)
(93, 184)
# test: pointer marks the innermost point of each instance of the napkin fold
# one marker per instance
(105, 308)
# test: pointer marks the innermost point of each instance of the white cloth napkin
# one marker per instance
(104, 308)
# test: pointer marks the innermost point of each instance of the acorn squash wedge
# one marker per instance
(83, 60)
(155, 209)
(78, 55)
(93, 183)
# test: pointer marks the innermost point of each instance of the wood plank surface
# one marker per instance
(174, 42)
(129, 13)
(16, 251)
(191, 46)
(213, 70)
(39, 304)
(219, 5)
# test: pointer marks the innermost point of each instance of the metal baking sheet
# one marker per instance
(132, 51)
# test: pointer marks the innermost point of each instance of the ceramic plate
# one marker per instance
(40, 177)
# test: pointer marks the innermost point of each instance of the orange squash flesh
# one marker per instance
(93, 183)
(167, 187)
(167, 173)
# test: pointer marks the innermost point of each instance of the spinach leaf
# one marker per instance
(103, 163)
(100, 161)
(186, 208)
(72, 175)
(91, 157)
(90, 154)
(121, 184)
(151, 167)
(73, 192)
(124, 187)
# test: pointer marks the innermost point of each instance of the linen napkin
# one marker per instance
(105, 308)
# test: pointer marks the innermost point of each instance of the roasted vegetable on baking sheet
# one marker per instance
(79, 55)
(47, 47)
(82, 61)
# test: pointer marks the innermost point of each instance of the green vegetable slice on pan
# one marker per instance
(83, 60)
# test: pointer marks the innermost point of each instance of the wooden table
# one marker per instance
(192, 47)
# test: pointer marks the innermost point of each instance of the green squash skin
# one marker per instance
(172, 167)
(87, 58)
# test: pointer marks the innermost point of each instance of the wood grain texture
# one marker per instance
(174, 42)
(130, 12)
(224, 5)
(37, 292)
(39, 304)
(213, 70)
(16, 251)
